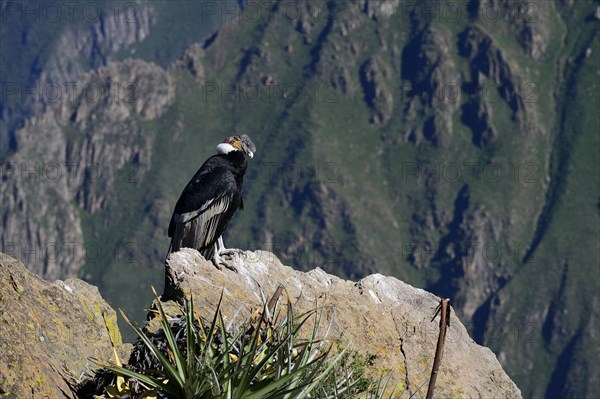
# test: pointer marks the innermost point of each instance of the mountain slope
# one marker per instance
(443, 144)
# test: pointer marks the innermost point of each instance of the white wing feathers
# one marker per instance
(186, 217)
(207, 219)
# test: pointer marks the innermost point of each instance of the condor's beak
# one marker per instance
(237, 143)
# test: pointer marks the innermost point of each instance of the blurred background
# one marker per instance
(452, 144)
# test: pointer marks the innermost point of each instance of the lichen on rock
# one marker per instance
(50, 332)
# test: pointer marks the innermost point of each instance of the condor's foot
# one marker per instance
(224, 259)
(232, 253)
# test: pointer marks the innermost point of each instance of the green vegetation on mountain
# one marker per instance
(453, 145)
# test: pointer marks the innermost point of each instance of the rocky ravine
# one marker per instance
(46, 232)
(50, 331)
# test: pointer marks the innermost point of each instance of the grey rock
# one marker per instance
(374, 76)
(377, 315)
(379, 9)
(50, 332)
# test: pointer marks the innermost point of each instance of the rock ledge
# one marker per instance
(378, 315)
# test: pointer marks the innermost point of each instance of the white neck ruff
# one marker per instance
(225, 148)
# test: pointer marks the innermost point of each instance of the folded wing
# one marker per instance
(203, 211)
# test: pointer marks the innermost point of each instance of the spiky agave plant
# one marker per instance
(264, 358)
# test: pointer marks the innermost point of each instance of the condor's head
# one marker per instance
(237, 143)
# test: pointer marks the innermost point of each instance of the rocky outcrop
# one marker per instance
(495, 76)
(379, 9)
(49, 332)
(432, 87)
(93, 141)
(41, 225)
(192, 61)
(529, 21)
(378, 315)
(112, 30)
(374, 76)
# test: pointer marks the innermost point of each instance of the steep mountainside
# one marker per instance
(451, 144)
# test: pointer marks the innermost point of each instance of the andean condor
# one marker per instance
(210, 199)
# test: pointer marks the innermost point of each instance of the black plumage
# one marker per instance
(210, 199)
